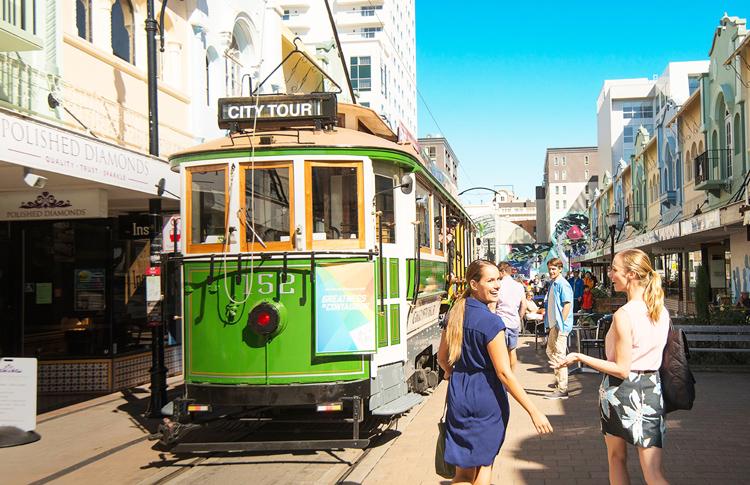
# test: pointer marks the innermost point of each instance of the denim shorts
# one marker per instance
(511, 338)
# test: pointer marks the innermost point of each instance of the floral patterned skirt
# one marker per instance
(633, 408)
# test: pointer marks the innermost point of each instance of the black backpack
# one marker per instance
(677, 381)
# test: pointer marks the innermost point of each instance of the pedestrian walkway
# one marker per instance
(708, 444)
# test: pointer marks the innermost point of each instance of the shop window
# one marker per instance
(83, 19)
(423, 217)
(206, 208)
(335, 212)
(123, 36)
(384, 205)
(268, 208)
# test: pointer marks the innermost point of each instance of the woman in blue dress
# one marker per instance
(474, 356)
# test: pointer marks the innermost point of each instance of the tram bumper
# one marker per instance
(277, 395)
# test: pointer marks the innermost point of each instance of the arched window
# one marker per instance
(123, 33)
(240, 57)
(728, 140)
(83, 19)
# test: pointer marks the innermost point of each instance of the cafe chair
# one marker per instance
(592, 336)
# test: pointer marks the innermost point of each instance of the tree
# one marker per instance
(702, 295)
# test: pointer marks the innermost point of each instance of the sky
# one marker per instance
(505, 80)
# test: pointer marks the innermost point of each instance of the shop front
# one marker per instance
(76, 242)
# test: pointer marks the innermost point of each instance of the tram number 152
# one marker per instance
(266, 283)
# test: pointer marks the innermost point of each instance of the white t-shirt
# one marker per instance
(511, 294)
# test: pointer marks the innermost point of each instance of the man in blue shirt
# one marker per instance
(559, 320)
(576, 282)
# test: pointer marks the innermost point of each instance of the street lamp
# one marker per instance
(566, 249)
(612, 219)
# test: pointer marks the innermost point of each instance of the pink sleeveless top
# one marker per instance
(649, 339)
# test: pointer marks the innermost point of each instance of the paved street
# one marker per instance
(707, 445)
(103, 441)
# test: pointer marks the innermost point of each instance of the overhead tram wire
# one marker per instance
(419, 93)
(227, 234)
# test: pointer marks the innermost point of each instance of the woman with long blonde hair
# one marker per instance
(630, 402)
(475, 358)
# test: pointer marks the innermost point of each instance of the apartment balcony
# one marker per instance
(668, 198)
(353, 3)
(708, 167)
(353, 19)
(18, 24)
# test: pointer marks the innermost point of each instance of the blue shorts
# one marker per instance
(511, 338)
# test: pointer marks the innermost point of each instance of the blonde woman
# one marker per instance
(474, 356)
(630, 401)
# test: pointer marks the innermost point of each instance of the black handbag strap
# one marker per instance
(445, 409)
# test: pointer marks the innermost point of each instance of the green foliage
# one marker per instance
(599, 293)
(728, 316)
(702, 294)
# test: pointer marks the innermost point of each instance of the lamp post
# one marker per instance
(612, 219)
(566, 249)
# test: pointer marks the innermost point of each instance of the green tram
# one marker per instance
(316, 253)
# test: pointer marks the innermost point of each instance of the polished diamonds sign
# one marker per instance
(58, 204)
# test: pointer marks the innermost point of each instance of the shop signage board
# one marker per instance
(46, 147)
(700, 223)
(137, 226)
(43, 204)
(18, 392)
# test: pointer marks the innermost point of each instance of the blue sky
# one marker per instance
(506, 80)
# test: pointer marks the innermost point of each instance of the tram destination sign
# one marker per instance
(277, 111)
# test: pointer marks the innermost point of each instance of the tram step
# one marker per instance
(398, 406)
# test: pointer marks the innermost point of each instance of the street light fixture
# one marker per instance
(566, 249)
(612, 219)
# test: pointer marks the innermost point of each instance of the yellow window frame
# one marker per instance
(270, 245)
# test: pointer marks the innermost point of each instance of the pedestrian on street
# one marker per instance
(630, 402)
(559, 320)
(475, 359)
(511, 307)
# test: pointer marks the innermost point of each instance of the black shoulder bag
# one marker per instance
(677, 381)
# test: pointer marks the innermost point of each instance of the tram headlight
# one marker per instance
(267, 318)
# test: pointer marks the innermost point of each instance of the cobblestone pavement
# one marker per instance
(708, 445)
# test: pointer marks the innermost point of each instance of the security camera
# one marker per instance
(34, 180)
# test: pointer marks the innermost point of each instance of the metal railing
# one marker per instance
(26, 88)
(708, 165)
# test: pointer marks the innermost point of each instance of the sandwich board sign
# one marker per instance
(17, 401)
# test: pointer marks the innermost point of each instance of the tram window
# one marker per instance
(334, 200)
(207, 205)
(423, 216)
(437, 211)
(268, 205)
(384, 204)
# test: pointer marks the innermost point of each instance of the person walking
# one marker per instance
(577, 284)
(475, 359)
(559, 320)
(511, 307)
(630, 404)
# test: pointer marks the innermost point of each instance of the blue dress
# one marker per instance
(478, 408)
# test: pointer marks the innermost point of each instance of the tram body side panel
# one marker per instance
(222, 349)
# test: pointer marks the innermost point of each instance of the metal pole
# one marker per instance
(153, 110)
(341, 53)
(158, 369)
(612, 252)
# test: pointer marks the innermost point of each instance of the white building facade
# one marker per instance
(378, 40)
(622, 107)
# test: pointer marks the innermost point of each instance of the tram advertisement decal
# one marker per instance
(345, 308)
